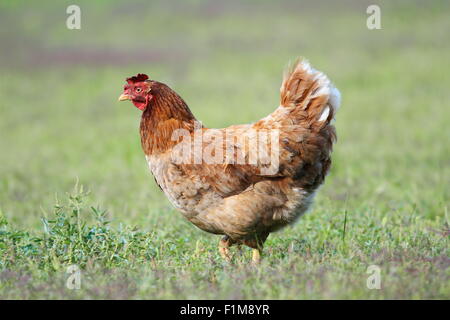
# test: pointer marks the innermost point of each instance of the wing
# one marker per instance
(294, 141)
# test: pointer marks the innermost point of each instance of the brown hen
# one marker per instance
(244, 181)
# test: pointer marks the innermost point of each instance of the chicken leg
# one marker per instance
(256, 256)
(224, 249)
(257, 244)
(224, 245)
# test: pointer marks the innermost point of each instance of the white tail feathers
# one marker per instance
(309, 90)
(335, 98)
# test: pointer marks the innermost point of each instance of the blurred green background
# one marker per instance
(60, 120)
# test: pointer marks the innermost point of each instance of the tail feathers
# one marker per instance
(310, 94)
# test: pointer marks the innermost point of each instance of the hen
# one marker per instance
(244, 181)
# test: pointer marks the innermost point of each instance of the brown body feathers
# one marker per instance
(244, 200)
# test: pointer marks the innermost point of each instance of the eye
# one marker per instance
(138, 90)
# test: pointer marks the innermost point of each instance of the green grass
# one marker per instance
(384, 203)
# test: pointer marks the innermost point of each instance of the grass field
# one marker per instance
(384, 203)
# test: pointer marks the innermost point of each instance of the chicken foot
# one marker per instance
(224, 244)
(256, 256)
(256, 244)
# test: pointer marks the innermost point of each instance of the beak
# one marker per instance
(124, 97)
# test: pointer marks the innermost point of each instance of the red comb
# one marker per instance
(140, 77)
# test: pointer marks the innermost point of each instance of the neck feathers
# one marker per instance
(165, 113)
